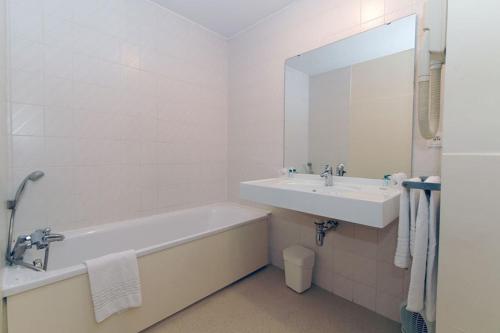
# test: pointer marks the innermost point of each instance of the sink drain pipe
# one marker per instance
(322, 227)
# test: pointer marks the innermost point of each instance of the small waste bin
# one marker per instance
(299, 262)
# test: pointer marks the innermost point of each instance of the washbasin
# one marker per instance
(357, 200)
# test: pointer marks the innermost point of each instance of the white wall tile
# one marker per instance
(26, 55)
(469, 270)
(26, 87)
(28, 152)
(58, 62)
(397, 5)
(27, 119)
(85, 88)
(476, 246)
(479, 117)
(58, 8)
(58, 92)
(372, 9)
(26, 19)
(60, 151)
(59, 122)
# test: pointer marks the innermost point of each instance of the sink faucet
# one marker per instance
(340, 170)
(40, 239)
(328, 175)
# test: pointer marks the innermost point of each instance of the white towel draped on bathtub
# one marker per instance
(422, 290)
(114, 283)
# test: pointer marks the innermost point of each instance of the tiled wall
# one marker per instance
(469, 266)
(355, 262)
(124, 106)
(3, 151)
(3, 132)
(360, 268)
(122, 103)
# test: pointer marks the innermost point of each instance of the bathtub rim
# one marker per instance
(31, 279)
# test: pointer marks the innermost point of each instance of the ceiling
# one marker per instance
(226, 17)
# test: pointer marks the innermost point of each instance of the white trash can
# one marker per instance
(299, 262)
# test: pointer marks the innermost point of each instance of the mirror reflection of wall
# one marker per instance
(351, 102)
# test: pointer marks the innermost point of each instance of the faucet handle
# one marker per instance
(340, 170)
(328, 169)
(24, 239)
(38, 236)
(23, 243)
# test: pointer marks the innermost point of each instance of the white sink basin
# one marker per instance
(357, 200)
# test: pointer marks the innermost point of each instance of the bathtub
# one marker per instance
(183, 257)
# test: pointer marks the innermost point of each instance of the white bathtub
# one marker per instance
(147, 236)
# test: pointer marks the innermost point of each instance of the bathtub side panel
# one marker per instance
(171, 280)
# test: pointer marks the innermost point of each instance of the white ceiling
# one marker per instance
(375, 43)
(226, 17)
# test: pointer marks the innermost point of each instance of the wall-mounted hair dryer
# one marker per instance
(431, 60)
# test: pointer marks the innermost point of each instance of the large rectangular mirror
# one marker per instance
(351, 102)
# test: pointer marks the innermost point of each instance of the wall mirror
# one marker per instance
(351, 102)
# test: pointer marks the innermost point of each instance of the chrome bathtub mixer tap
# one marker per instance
(40, 238)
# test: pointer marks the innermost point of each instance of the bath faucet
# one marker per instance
(328, 175)
(340, 170)
(12, 205)
(40, 239)
(23, 243)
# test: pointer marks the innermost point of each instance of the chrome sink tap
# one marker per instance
(340, 170)
(328, 175)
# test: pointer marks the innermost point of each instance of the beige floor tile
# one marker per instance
(261, 303)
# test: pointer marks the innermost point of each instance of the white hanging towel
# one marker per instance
(432, 254)
(114, 283)
(402, 256)
(416, 290)
(423, 283)
(414, 204)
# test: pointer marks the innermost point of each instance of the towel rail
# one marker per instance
(422, 185)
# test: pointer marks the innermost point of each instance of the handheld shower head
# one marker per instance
(34, 176)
